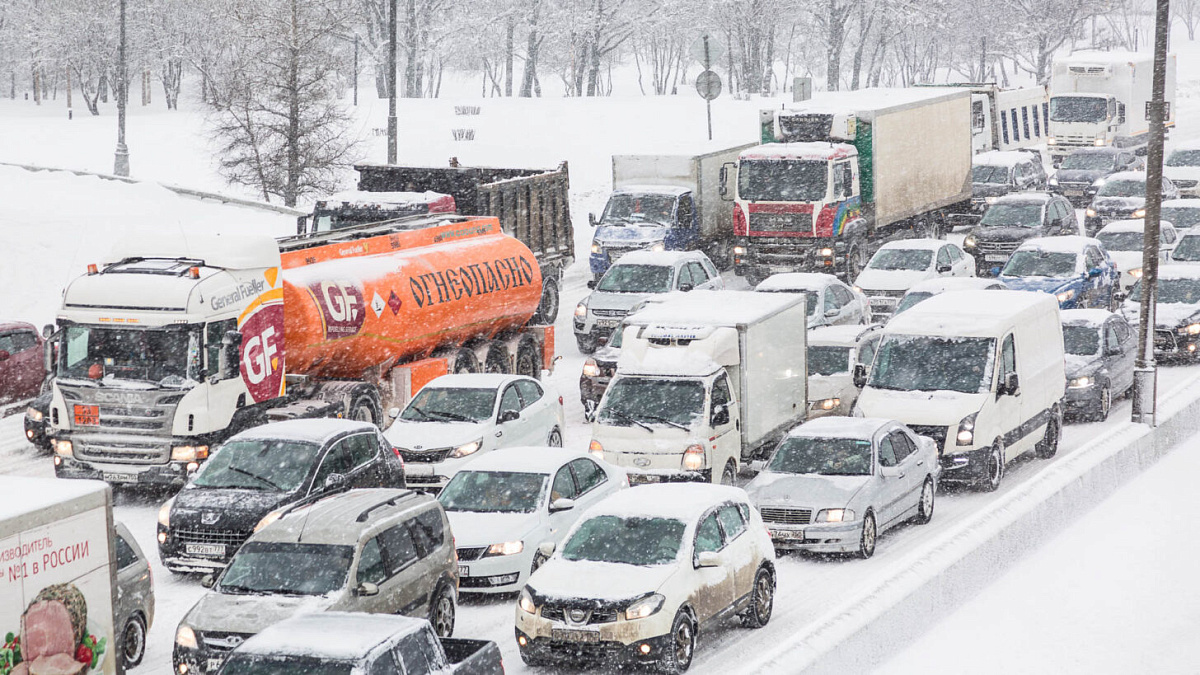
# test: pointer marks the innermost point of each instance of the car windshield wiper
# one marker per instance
(254, 476)
(656, 418)
(450, 416)
(241, 590)
(424, 415)
(629, 418)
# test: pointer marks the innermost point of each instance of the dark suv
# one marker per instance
(1011, 220)
(998, 172)
(261, 470)
(1083, 171)
(1122, 197)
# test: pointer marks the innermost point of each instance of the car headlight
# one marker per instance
(825, 252)
(185, 637)
(1081, 382)
(63, 448)
(525, 602)
(506, 548)
(1100, 181)
(644, 607)
(581, 310)
(1190, 329)
(591, 368)
(966, 430)
(658, 246)
(268, 519)
(596, 449)
(1099, 142)
(164, 513)
(1136, 273)
(858, 289)
(1065, 295)
(739, 250)
(596, 247)
(466, 449)
(1053, 182)
(1140, 213)
(834, 516)
(1050, 140)
(189, 453)
(825, 404)
(693, 457)
(970, 241)
(34, 414)
(990, 200)
(1091, 213)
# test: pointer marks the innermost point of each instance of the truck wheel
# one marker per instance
(365, 409)
(460, 360)
(547, 310)
(497, 359)
(527, 360)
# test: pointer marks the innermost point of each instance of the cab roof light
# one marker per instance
(92, 269)
(194, 272)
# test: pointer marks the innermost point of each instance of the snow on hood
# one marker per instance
(1118, 203)
(1038, 284)
(484, 529)
(935, 408)
(562, 579)
(1182, 172)
(826, 386)
(1078, 364)
(820, 492)
(633, 232)
(431, 435)
(250, 613)
(229, 502)
(890, 280)
(619, 301)
(1173, 315)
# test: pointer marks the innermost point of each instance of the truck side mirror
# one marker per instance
(47, 331)
(4, 355)
(860, 375)
(724, 175)
(227, 361)
(720, 414)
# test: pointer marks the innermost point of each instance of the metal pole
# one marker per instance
(1145, 381)
(392, 127)
(121, 161)
(356, 69)
(707, 100)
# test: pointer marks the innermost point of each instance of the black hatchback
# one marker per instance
(261, 470)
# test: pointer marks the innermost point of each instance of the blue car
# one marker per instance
(1077, 270)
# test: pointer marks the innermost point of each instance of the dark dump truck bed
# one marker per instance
(473, 657)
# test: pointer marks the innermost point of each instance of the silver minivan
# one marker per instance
(135, 597)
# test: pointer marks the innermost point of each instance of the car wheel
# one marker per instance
(995, 469)
(555, 440)
(679, 651)
(587, 343)
(1048, 446)
(925, 506)
(762, 599)
(441, 612)
(547, 310)
(133, 642)
(729, 475)
(866, 541)
(1104, 406)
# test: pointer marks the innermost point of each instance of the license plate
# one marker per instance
(640, 478)
(787, 534)
(212, 665)
(1073, 193)
(119, 477)
(996, 257)
(87, 415)
(415, 469)
(607, 323)
(205, 549)
(569, 635)
(464, 571)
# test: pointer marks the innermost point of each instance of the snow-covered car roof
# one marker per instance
(796, 281)
(947, 284)
(663, 258)
(1066, 244)
(314, 430)
(474, 380)
(1179, 272)
(715, 308)
(814, 150)
(914, 244)
(334, 519)
(681, 501)
(1085, 317)
(340, 636)
(1008, 158)
(651, 189)
(1193, 144)
(841, 427)
(523, 459)
(968, 313)
(1025, 197)
(1181, 203)
(839, 336)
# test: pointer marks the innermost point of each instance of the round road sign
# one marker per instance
(708, 85)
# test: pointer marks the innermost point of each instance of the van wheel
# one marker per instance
(866, 542)
(441, 611)
(1048, 446)
(925, 506)
(762, 599)
(995, 469)
(133, 642)
(679, 651)
(547, 310)
(729, 475)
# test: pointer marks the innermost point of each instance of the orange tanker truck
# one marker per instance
(175, 344)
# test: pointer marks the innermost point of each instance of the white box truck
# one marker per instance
(58, 586)
(667, 202)
(1099, 99)
(1005, 119)
(705, 382)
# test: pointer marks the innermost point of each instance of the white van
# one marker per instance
(980, 372)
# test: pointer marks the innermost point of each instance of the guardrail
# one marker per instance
(186, 192)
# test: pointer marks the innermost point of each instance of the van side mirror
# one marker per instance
(1011, 386)
(860, 375)
(366, 589)
(562, 504)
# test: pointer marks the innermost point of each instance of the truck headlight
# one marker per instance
(1190, 329)
(591, 368)
(1081, 382)
(644, 607)
(693, 457)
(506, 548)
(1065, 295)
(34, 414)
(658, 246)
(596, 449)
(581, 310)
(1050, 140)
(185, 637)
(834, 516)
(63, 448)
(525, 602)
(1099, 142)
(466, 449)
(825, 404)
(189, 453)
(826, 252)
(739, 250)
(966, 430)
(1140, 213)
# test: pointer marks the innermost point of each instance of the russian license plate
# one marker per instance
(996, 257)
(217, 550)
(1073, 193)
(416, 469)
(87, 415)
(119, 477)
(212, 665)
(607, 323)
(641, 478)
(569, 635)
(787, 534)
(464, 571)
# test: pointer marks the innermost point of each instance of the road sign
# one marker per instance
(1166, 109)
(715, 50)
(708, 85)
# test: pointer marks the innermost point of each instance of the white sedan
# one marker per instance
(456, 418)
(897, 265)
(508, 502)
(830, 302)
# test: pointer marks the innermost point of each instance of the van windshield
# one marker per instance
(962, 364)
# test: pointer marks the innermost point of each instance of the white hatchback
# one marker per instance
(898, 265)
(830, 301)
(456, 418)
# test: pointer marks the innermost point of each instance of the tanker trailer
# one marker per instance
(174, 345)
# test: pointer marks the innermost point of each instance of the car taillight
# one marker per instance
(739, 222)
(560, 401)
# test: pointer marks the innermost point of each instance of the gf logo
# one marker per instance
(259, 355)
(342, 307)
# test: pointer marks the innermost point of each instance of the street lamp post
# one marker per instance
(391, 82)
(121, 162)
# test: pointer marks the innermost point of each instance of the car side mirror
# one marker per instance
(546, 548)
(685, 287)
(366, 589)
(758, 465)
(860, 375)
(208, 580)
(720, 415)
(4, 355)
(335, 481)
(592, 220)
(1094, 272)
(509, 416)
(1112, 350)
(942, 269)
(708, 559)
(393, 413)
(562, 504)
(1011, 385)
(591, 284)
(889, 471)
(830, 313)
(1120, 296)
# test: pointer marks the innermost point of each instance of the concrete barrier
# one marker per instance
(866, 630)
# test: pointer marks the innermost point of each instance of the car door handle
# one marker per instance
(499, 434)
(921, 462)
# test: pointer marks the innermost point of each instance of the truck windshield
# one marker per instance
(828, 360)
(493, 492)
(1081, 340)
(1088, 161)
(1012, 215)
(1184, 158)
(782, 180)
(963, 364)
(638, 209)
(1181, 216)
(1078, 109)
(1187, 250)
(244, 664)
(312, 569)
(650, 401)
(992, 175)
(636, 279)
(168, 357)
(892, 259)
(445, 404)
(634, 540)
(1121, 241)
(822, 456)
(1040, 264)
(1122, 188)
(259, 464)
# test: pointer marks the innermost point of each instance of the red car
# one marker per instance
(21, 366)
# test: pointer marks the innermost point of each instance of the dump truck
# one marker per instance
(705, 383)
(174, 345)
(532, 205)
(668, 202)
(1100, 99)
(841, 172)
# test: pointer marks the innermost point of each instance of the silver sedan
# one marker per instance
(834, 484)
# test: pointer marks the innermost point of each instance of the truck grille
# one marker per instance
(471, 554)
(124, 450)
(1078, 139)
(938, 434)
(781, 222)
(786, 516)
(780, 252)
(134, 427)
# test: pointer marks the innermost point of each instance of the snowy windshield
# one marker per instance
(992, 175)
(437, 404)
(823, 456)
(636, 279)
(1122, 188)
(782, 180)
(494, 492)
(1187, 250)
(259, 464)
(1081, 340)
(637, 209)
(1009, 215)
(1078, 109)
(1172, 291)
(828, 360)
(1183, 158)
(1088, 161)
(649, 401)
(245, 664)
(169, 357)
(1121, 241)
(901, 259)
(961, 364)
(1040, 264)
(313, 569)
(632, 540)
(911, 299)
(1181, 216)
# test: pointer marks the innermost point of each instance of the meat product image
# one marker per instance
(58, 664)
(46, 630)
